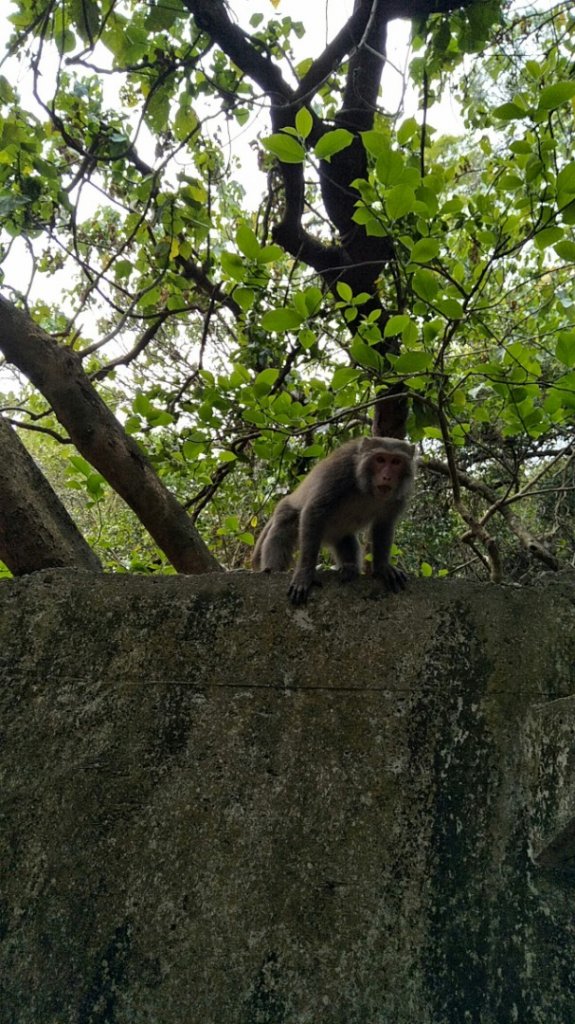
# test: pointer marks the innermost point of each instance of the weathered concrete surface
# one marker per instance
(218, 810)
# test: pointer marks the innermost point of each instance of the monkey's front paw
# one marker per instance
(300, 586)
(393, 579)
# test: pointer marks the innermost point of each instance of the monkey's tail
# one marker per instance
(257, 555)
(275, 545)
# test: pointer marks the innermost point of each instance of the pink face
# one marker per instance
(387, 472)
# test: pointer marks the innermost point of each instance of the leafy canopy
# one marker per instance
(127, 230)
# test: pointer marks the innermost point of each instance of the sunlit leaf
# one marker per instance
(565, 350)
(265, 381)
(233, 266)
(451, 308)
(303, 122)
(509, 112)
(344, 291)
(547, 237)
(365, 355)
(566, 250)
(554, 95)
(400, 201)
(285, 148)
(412, 362)
(332, 143)
(279, 320)
(425, 285)
(424, 250)
(395, 325)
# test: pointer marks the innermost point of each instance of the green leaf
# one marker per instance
(390, 167)
(313, 451)
(374, 229)
(162, 15)
(265, 381)
(565, 350)
(410, 334)
(244, 298)
(566, 179)
(6, 91)
(425, 285)
(313, 299)
(400, 201)
(332, 143)
(247, 242)
(343, 376)
(255, 416)
(191, 450)
(279, 320)
(566, 250)
(406, 130)
(285, 148)
(123, 268)
(450, 308)
(158, 109)
(428, 199)
(298, 302)
(94, 484)
(161, 418)
(425, 569)
(568, 214)
(424, 250)
(303, 122)
(233, 266)
(270, 253)
(185, 122)
(344, 291)
(412, 362)
(307, 338)
(554, 95)
(376, 143)
(365, 355)
(509, 112)
(533, 169)
(81, 465)
(547, 237)
(143, 406)
(206, 412)
(395, 325)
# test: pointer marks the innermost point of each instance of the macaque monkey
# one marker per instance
(365, 482)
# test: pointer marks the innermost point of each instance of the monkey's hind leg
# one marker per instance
(347, 552)
(275, 547)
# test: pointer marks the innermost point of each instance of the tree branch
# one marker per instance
(515, 524)
(57, 372)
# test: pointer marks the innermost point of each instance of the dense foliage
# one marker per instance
(237, 338)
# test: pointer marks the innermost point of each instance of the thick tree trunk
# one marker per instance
(57, 372)
(36, 531)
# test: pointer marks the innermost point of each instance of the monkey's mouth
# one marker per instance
(384, 488)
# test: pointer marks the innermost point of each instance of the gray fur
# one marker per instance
(330, 506)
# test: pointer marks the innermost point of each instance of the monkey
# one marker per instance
(365, 482)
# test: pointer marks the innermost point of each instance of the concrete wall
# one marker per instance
(216, 809)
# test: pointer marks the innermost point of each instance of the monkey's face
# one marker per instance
(388, 470)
